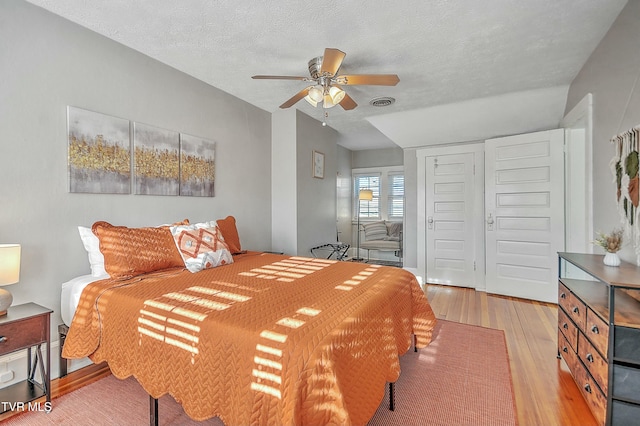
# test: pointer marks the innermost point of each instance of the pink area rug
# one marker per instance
(462, 378)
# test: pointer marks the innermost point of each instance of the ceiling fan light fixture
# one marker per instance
(328, 102)
(336, 94)
(311, 101)
(316, 93)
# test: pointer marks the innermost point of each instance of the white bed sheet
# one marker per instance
(70, 295)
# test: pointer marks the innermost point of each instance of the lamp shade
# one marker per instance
(311, 101)
(337, 94)
(9, 263)
(365, 195)
(328, 102)
(316, 93)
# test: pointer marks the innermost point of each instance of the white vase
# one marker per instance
(611, 259)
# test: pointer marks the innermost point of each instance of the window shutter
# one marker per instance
(396, 196)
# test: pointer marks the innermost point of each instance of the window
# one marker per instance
(395, 208)
(387, 185)
(368, 209)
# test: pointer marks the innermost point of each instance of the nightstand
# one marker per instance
(27, 327)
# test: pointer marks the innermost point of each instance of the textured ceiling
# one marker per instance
(446, 52)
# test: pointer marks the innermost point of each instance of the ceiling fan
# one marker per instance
(326, 89)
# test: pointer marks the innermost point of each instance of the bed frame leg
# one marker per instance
(415, 343)
(153, 411)
(392, 396)
(63, 329)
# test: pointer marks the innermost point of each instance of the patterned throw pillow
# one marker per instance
(201, 246)
(375, 231)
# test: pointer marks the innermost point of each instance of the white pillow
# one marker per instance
(92, 246)
(201, 246)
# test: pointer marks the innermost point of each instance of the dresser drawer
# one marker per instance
(573, 306)
(596, 365)
(567, 353)
(564, 296)
(577, 312)
(568, 328)
(23, 334)
(596, 400)
(597, 331)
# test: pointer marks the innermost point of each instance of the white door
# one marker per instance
(449, 220)
(524, 213)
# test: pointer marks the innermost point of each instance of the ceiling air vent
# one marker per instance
(382, 102)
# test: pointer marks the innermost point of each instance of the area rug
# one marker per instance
(461, 378)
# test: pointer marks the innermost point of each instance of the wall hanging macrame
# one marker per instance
(624, 167)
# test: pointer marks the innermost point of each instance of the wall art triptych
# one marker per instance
(103, 159)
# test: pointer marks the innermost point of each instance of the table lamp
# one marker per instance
(9, 273)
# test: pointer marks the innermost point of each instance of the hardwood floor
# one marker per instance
(544, 390)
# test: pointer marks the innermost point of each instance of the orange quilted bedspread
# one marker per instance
(269, 339)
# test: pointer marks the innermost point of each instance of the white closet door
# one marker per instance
(524, 214)
(450, 240)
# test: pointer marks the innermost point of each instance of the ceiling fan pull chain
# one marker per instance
(326, 115)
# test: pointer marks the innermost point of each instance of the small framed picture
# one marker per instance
(318, 165)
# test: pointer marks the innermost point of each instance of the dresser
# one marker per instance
(599, 334)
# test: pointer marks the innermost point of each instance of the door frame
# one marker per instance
(578, 125)
(478, 205)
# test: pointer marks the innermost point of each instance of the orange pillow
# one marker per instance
(133, 251)
(230, 233)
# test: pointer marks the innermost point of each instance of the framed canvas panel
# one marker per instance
(197, 166)
(318, 165)
(99, 152)
(156, 160)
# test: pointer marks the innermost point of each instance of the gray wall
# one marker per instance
(344, 202)
(304, 207)
(48, 63)
(316, 197)
(377, 158)
(611, 74)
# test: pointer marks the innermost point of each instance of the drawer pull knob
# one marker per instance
(576, 310)
(565, 326)
(587, 387)
(595, 330)
(563, 296)
(3, 339)
(565, 350)
(589, 357)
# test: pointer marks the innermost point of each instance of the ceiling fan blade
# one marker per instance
(301, 94)
(369, 79)
(348, 103)
(331, 61)
(278, 77)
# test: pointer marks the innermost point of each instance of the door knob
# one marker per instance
(490, 222)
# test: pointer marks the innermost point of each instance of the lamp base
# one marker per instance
(6, 298)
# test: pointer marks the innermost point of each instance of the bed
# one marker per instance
(265, 339)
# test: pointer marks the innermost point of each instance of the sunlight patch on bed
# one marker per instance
(290, 322)
(266, 389)
(269, 350)
(343, 287)
(309, 311)
(264, 375)
(205, 303)
(218, 293)
(267, 363)
(271, 335)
